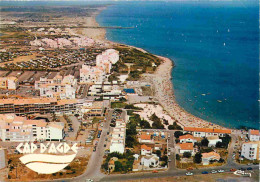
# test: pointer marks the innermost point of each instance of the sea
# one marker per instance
(214, 46)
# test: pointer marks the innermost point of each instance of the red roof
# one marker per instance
(208, 130)
(254, 132)
(145, 147)
(186, 146)
(186, 136)
(145, 137)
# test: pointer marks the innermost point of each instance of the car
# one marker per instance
(189, 174)
(242, 169)
(105, 145)
(221, 171)
(169, 153)
(189, 168)
(233, 170)
(214, 171)
(249, 168)
(89, 180)
(205, 172)
(154, 171)
(169, 160)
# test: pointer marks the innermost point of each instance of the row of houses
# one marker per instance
(19, 129)
(118, 137)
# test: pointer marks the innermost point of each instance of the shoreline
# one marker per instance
(161, 84)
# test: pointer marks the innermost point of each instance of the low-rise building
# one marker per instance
(207, 132)
(186, 147)
(10, 83)
(150, 161)
(211, 156)
(146, 138)
(254, 135)
(188, 138)
(146, 150)
(213, 141)
(251, 150)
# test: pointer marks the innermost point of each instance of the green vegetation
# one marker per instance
(198, 158)
(225, 141)
(124, 163)
(174, 126)
(157, 124)
(186, 154)
(118, 104)
(204, 142)
(177, 134)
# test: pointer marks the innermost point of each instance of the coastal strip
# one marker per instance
(160, 82)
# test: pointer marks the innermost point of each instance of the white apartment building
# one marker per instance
(118, 137)
(90, 74)
(207, 132)
(19, 129)
(57, 87)
(250, 150)
(254, 135)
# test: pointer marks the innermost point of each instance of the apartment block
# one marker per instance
(10, 83)
(118, 137)
(19, 129)
(251, 150)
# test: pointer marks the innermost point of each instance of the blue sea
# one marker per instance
(214, 45)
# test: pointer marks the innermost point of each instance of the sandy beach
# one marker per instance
(160, 81)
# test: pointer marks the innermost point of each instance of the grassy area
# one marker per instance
(118, 104)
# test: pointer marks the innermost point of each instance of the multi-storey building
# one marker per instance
(19, 129)
(254, 135)
(207, 132)
(118, 137)
(10, 83)
(57, 87)
(251, 150)
(42, 106)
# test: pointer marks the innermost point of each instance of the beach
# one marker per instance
(160, 82)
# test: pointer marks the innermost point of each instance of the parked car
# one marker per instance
(214, 171)
(221, 171)
(250, 168)
(189, 168)
(154, 171)
(233, 170)
(242, 169)
(189, 174)
(89, 180)
(105, 145)
(205, 172)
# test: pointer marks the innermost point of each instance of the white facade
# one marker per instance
(146, 150)
(118, 137)
(253, 135)
(213, 142)
(20, 129)
(251, 150)
(90, 74)
(57, 87)
(150, 160)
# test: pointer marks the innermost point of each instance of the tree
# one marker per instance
(156, 122)
(174, 126)
(221, 160)
(187, 154)
(158, 153)
(177, 134)
(118, 166)
(204, 142)
(198, 158)
(178, 157)
(219, 145)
